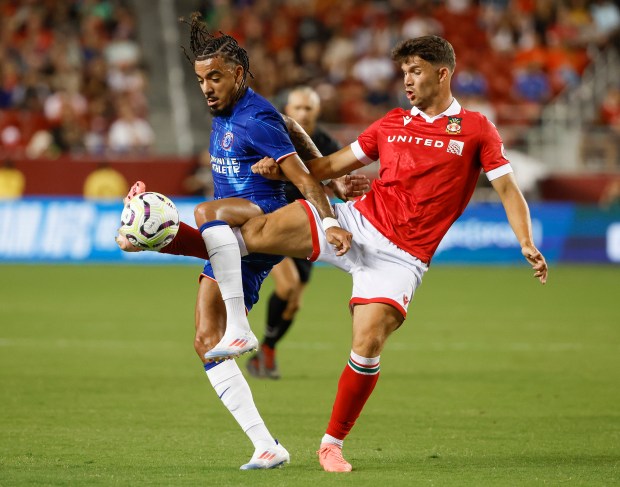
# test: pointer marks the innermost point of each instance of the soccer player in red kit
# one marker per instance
(430, 158)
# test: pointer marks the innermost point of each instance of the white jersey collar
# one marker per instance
(453, 109)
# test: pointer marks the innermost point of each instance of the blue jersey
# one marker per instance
(254, 129)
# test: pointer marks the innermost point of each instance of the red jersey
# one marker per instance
(429, 167)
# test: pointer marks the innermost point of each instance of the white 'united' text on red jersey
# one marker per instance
(428, 171)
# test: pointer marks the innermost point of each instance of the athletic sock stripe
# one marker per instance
(360, 364)
(209, 365)
(212, 223)
(364, 370)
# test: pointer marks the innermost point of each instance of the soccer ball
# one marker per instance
(150, 221)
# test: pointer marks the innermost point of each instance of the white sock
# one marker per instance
(234, 391)
(334, 441)
(260, 437)
(225, 258)
(240, 241)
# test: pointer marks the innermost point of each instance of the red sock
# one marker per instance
(270, 355)
(188, 241)
(354, 388)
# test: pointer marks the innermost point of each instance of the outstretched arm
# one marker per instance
(335, 165)
(345, 187)
(518, 215)
(332, 166)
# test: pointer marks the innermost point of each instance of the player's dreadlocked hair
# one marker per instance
(205, 45)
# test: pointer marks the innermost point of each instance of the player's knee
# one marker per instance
(201, 214)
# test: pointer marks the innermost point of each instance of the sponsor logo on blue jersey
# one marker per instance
(228, 166)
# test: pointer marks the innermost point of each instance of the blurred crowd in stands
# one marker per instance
(72, 77)
(513, 56)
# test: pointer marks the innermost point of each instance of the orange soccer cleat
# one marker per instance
(330, 458)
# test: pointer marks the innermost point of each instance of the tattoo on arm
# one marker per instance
(306, 149)
(316, 195)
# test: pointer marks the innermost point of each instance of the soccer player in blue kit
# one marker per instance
(245, 129)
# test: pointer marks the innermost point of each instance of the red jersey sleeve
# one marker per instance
(492, 155)
(368, 140)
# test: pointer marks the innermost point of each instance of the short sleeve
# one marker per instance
(492, 154)
(268, 136)
(366, 147)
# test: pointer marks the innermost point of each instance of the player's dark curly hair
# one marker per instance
(433, 49)
(205, 45)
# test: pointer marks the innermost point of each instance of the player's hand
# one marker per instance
(340, 239)
(350, 186)
(137, 188)
(125, 245)
(268, 168)
(537, 261)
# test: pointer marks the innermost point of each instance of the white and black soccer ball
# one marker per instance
(150, 221)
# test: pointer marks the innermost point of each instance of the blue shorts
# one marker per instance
(269, 205)
(255, 267)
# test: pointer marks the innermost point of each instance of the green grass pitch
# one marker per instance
(492, 380)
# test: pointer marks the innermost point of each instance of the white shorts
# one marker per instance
(381, 271)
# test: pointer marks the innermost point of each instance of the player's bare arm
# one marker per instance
(331, 166)
(304, 145)
(345, 187)
(518, 215)
(334, 165)
(296, 172)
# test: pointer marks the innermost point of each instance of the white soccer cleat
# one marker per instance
(232, 346)
(273, 457)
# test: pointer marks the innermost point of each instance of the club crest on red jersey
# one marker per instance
(227, 140)
(454, 125)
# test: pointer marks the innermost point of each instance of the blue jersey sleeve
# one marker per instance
(268, 136)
